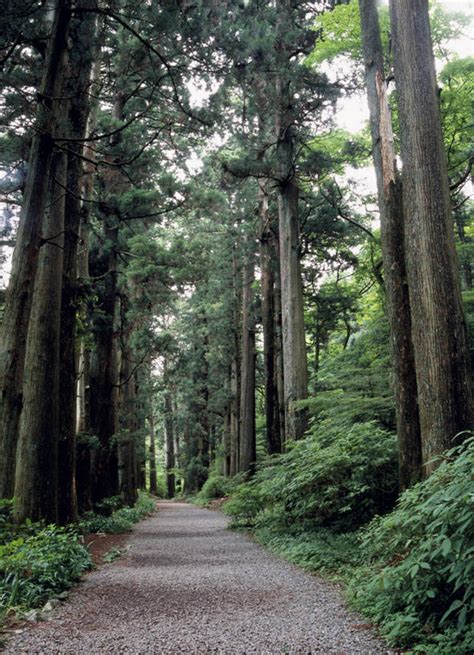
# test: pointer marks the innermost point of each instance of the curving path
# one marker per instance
(188, 585)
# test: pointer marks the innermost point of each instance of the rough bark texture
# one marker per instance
(392, 237)
(235, 377)
(103, 380)
(280, 376)
(267, 267)
(77, 88)
(25, 258)
(104, 369)
(169, 452)
(438, 326)
(247, 451)
(36, 476)
(293, 333)
(152, 455)
(127, 456)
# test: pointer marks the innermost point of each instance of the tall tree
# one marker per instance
(392, 221)
(438, 326)
(295, 372)
(247, 450)
(31, 234)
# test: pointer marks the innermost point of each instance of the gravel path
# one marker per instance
(188, 585)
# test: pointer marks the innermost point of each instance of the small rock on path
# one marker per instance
(190, 586)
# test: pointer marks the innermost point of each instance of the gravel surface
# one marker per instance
(188, 585)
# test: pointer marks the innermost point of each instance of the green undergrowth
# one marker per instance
(39, 562)
(215, 487)
(111, 518)
(418, 580)
(409, 570)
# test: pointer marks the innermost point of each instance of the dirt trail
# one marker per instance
(188, 585)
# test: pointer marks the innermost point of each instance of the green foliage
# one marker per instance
(339, 477)
(217, 486)
(112, 520)
(112, 555)
(320, 550)
(419, 586)
(34, 568)
(195, 475)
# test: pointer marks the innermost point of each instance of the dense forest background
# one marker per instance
(211, 292)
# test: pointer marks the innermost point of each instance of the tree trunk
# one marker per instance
(36, 480)
(235, 376)
(169, 437)
(268, 324)
(104, 367)
(438, 326)
(392, 236)
(152, 456)
(81, 62)
(247, 452)
(25, 259)
(127, 457)
(294, 345)
(279, 348)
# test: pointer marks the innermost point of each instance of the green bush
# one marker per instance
(120, 520)
(34, 568)
(338, 477)
(419, 587)
(321, 550)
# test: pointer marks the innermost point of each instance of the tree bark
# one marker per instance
(267, 261)
(104, 367)
(169, 453)
(235, 375)
(36, 479)
(127, 455)
(392, 221)
(25, 258)
(293, 331)
(247, 451)
(152, 455)
(77, 88)
(438, 326)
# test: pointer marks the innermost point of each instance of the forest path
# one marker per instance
(188, 585)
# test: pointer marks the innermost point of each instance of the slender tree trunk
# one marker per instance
(36, 480)
(25, 258)
(235, 376)
(268, 325)
(83, 474)
(392, 236)
(438, 326)
(152, 455)
(127, 458)
(247, 453)
(169, 437)
(279, 348)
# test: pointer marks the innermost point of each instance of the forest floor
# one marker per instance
(188, 585)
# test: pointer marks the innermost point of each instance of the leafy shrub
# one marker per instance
(422, 554)
(120, 520)
(195, 475)
(337, 477)
(321, 550)
(37, 567)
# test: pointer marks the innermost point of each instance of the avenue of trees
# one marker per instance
(194, 274)
(200, 292)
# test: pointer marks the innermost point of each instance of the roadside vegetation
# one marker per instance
(39, 562)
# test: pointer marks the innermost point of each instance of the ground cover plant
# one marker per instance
(38, 562)
(410, 570)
